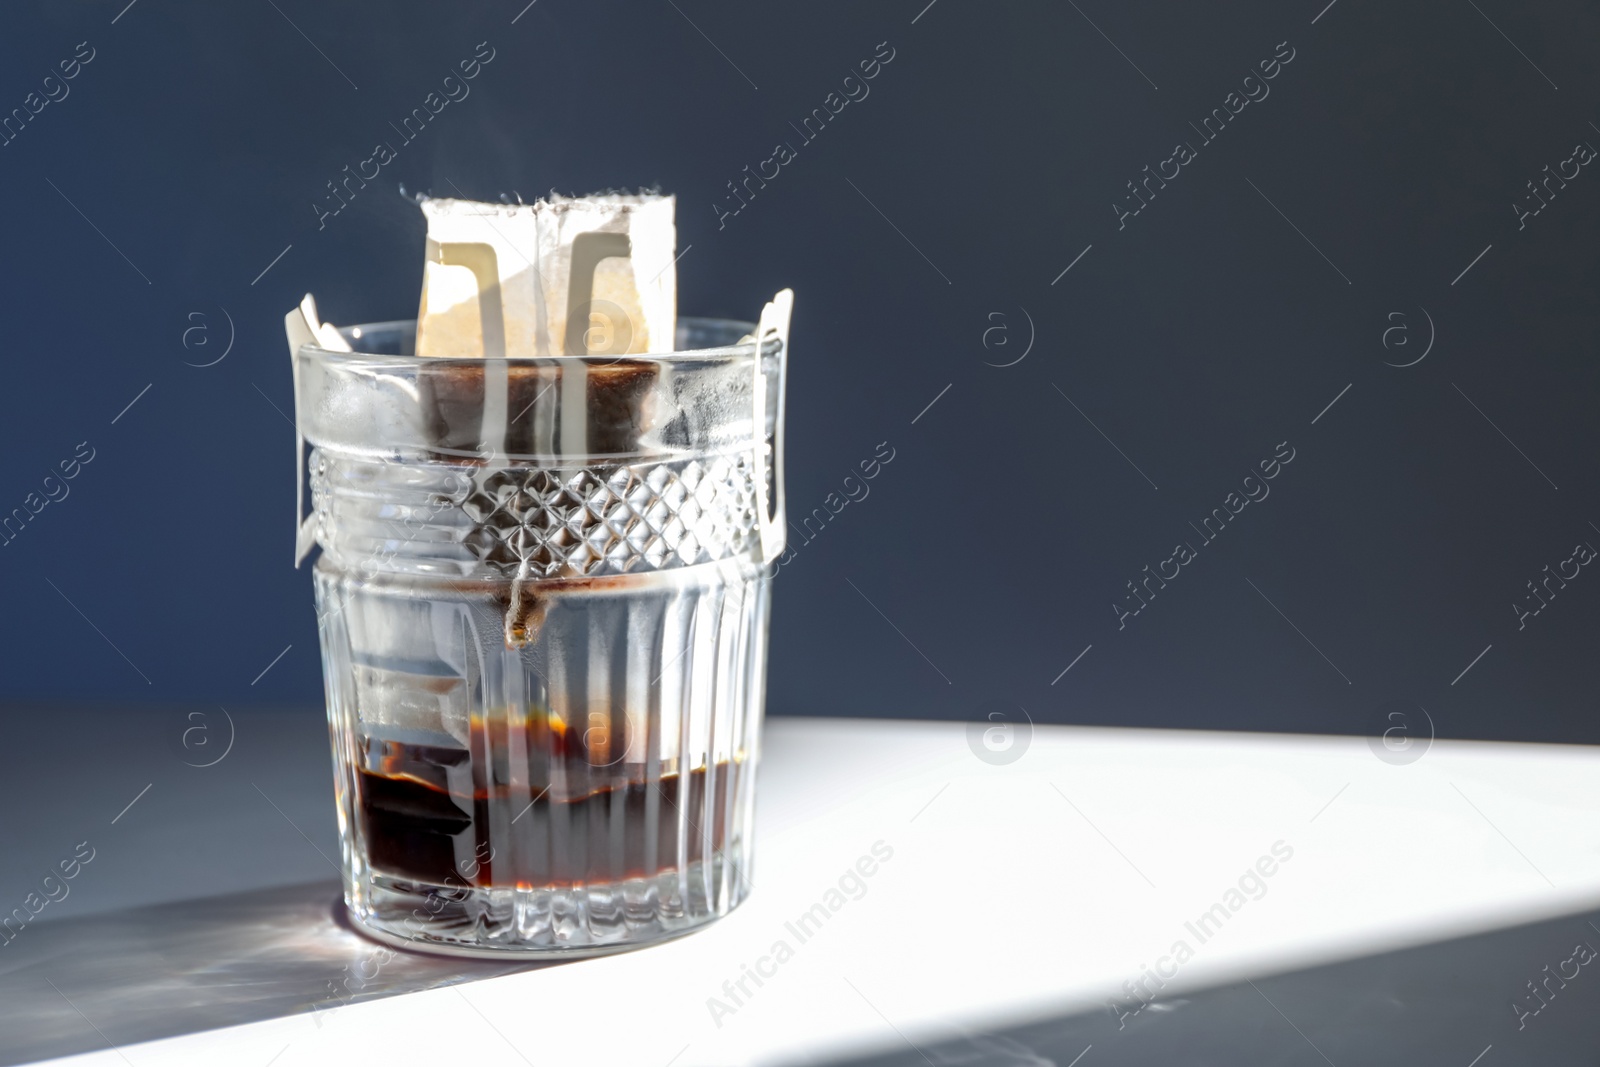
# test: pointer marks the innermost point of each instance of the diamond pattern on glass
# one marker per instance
(536, 522)
(544, 523)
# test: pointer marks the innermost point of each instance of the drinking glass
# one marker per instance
(543, 594)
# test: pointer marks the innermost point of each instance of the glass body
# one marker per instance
(543, 600)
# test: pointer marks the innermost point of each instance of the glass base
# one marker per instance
(545, 923)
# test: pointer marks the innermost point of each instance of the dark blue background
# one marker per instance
(1197, 338)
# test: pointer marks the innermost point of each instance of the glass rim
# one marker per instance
(354, 333)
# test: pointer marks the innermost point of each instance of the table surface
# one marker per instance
(1272, 877)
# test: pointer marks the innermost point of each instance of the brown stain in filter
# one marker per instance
(618, 401)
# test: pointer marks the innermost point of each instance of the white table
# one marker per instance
(1035, 888)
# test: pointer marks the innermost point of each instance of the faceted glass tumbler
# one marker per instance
(543, 596)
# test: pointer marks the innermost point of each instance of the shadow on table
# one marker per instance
(168, 969)
(1487, 1000)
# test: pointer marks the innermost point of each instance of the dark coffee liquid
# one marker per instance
(450, 815)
